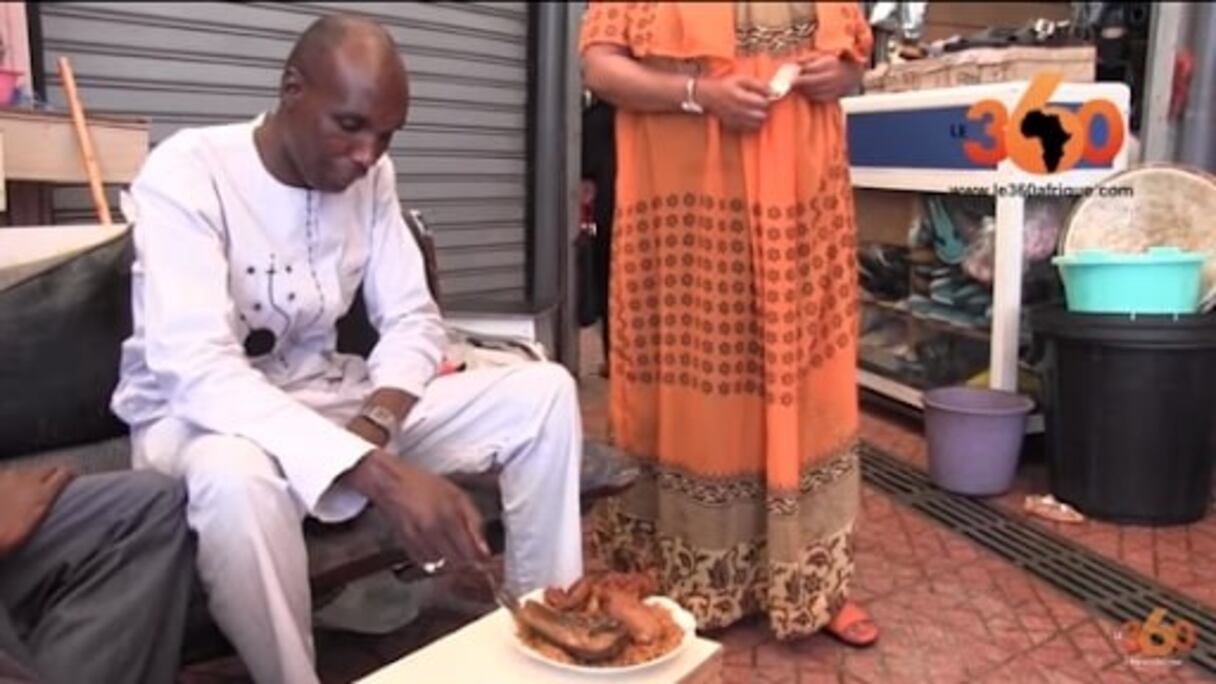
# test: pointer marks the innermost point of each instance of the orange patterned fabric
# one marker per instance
(734, 321)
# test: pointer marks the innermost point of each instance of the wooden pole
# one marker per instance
(100, 204)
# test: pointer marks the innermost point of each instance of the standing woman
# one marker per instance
(734, 305)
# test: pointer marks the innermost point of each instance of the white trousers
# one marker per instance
(522, 420)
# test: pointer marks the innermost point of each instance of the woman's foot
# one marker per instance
(853, 626)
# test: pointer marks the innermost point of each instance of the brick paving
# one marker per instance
(1181, 557)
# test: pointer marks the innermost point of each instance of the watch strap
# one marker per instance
(382, 418)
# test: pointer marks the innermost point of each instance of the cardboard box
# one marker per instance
(982, 65)
(885, 216)
(945, 19)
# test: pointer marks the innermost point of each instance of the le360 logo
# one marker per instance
(1043, 139)
(1155, 638)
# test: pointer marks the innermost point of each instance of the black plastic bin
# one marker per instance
(1130, 407)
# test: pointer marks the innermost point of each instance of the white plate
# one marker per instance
(682, 617)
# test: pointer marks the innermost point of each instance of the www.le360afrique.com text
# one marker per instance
(1039, 190)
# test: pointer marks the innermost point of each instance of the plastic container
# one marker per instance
(8, 85)
(1130, 408)
(1163, 280)
(975, 438)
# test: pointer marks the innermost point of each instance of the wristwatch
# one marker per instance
(381, 418)
(690, 104)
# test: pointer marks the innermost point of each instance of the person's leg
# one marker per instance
(16, 663)
(251, 554)
(100, 591)
(524, 420)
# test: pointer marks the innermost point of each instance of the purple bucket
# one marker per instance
(975, 438)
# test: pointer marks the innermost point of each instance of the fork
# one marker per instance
(505, 598)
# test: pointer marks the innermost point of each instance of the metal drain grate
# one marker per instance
(1117, 592)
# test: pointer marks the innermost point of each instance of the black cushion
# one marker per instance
(61, 332)
(61, 335)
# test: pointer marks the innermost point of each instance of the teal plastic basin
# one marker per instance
(1163, 280)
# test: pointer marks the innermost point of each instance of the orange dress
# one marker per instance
(734, 322)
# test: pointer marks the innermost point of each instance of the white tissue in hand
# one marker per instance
(783, 80)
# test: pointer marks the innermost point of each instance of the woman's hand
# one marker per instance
(826, 78)
(739, 101)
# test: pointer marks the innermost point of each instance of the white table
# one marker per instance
(41, 146)
(481, 653)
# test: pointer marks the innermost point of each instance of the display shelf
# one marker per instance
(920, 361)
(982, 334)
(914, 142)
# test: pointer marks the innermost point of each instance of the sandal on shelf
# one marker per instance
(853, 626)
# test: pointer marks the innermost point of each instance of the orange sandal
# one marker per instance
(853, 627)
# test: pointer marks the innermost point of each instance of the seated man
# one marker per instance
(251, 240)
(95, 576)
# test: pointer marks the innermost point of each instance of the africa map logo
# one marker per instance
(1051, 134)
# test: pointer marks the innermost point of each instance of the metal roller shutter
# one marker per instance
(461, 159)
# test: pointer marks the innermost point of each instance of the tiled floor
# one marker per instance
(949, 611)
(1180, 557)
